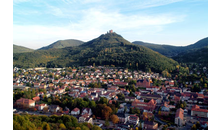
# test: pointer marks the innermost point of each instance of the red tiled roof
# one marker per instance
(25, 101)
(117, 80)
(199, 110)
(36, 98)
(179, 113)
(133, 117)
(120, 83)
(195, 107)
(75, 109)
(42, 104)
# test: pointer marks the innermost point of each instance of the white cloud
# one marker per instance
(90, 21)
(94, 18)
(93, 23)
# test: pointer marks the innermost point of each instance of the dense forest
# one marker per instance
(21, 49)
(63, 44)
(109, 49)
(171, 51)
(199, 56)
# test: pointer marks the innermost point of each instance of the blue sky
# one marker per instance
(38, 23)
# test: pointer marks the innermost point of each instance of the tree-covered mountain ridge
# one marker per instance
(63, 44)
(21, 49)
(171, 51)
(107, 49)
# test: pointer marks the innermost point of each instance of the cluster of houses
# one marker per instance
(77, 81)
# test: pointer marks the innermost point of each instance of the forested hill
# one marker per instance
(171, 51)
(166, 50)
(107, 49)
(199, 56)
(195, 53)
(21, 49)
(63, 44)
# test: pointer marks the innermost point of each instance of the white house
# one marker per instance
(54, 108)
(75, 111)
(133, 119)
(41, 107)
(60, 90)
(86, 111)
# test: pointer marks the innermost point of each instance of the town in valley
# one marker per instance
(115, 97)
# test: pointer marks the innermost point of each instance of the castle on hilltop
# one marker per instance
(110, 31)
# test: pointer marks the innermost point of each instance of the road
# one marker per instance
(20, 111)
(156, 118)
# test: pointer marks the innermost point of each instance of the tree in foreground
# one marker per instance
(62, 126)
(106, 112)
(114, 119)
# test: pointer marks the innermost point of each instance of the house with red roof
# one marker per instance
(143, 83)
(25, 102)
(179, 117)
(82, 95)
(75, 111)
(60, 90)
(185, 96)
(176, 98)
(36, 85)
(74, 70)
(104, 81)
(86, 111)
(37, 98)
(149, 106)
(120, 83)
(152, 88)
(149, 125)
(41, 106)
(196, 111)
(133, 119)
(117, 80)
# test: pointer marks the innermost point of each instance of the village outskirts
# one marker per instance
(113, 97)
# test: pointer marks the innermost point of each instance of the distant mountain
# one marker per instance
(21, 49)
(166, 50)
(171, 51)
(194, 53)
(198, 45)
(63, 44)
(107, 49)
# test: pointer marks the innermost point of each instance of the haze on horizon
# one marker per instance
(173, 22)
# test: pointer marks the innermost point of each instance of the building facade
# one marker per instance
(179, 117)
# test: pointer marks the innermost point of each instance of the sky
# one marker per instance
(38, 23)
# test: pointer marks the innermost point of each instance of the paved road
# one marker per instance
(157, 119)
(20, 111)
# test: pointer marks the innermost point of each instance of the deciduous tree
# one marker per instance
(62, 126)
(106, 111)
(114, 119)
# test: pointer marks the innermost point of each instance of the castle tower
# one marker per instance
(110, 31)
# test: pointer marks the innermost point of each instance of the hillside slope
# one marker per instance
(21, 49)
(107, 49)
(193, 56)
(171, 51)
(63, 44)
